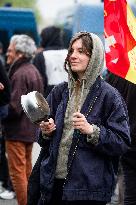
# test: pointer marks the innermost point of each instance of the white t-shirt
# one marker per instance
(54, 61)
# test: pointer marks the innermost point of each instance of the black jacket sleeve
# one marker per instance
(33, 188)
(39, 62)
(128, 92)
(4, 94)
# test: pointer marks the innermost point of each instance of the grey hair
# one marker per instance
(24, 44)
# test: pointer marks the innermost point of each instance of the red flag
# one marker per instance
(120, 39)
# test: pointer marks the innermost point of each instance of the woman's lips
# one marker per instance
(74, 63)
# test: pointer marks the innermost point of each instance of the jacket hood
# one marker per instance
(96, 62)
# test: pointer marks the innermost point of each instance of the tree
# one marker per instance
(18, 3)
(22, 4)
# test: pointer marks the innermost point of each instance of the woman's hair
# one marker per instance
(87, 44)
(24, 44)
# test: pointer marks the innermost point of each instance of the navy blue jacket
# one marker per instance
(91, 170)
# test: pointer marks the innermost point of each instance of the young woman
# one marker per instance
(86, 133)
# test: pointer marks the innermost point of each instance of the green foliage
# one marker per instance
(23, 4)
(19, 3)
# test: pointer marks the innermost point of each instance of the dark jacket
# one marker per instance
(91, 168)
(4, 94)
(24, 78)
(128, 92)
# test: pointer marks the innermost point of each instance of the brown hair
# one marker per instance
(87, 45)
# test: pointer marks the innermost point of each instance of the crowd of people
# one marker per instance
(91, 131)
(27, 71)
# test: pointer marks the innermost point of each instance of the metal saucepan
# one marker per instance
(35, 106)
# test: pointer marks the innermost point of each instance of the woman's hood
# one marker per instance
(96, 63)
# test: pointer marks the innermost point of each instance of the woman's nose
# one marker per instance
(74, 54)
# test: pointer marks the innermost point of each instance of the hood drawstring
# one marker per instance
(81, 96)
(77, 90)
(76, 96)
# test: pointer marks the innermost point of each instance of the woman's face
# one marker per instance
(78, 58)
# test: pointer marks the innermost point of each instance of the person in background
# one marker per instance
(2, 58)
(4, 86)
(6, 189)
(128, 160)
(19, 132)
(87, 131)
(50, 62)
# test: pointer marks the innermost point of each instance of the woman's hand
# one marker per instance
(48, 127)
(80, 123)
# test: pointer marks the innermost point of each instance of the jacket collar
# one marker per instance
(16, 65)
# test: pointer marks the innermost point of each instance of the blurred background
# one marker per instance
(31, 17)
